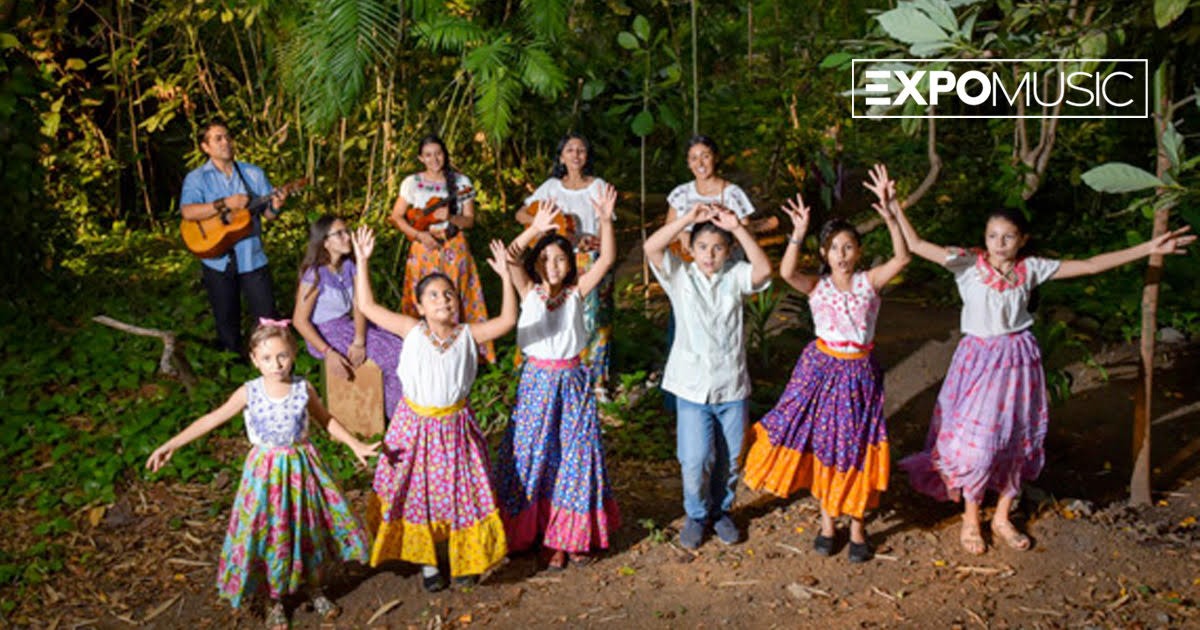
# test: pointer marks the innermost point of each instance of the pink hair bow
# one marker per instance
(282, 323)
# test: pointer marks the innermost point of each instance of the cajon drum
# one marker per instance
(357, 403)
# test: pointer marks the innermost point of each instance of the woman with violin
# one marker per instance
(434, 208)
(573, 186)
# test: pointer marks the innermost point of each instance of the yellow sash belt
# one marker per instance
(436, 412)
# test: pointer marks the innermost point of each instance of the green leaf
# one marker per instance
(911, 26)
(641, 26)
(547, 19)
(642, 124)
(1165, 11)
(541, 73)
(928, 49)
(627, 40)
(835, 60)
(75, 63)
(1118, 177)
(448, 33)
(592, 89)
(940, 12)
(1172, 142)
(8, 40)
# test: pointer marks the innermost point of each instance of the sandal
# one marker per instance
(972, 541)
(823, 545)
(276, 617)
(1008, 532)
(325, 608)
(556, 560)
(581, 559)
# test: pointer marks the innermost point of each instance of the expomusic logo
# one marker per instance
(1000, 88)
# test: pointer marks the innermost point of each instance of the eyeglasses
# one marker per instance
(338, 233)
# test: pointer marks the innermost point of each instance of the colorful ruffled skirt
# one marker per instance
(826, 433)
(431, 486)
(290, 522)
(597, 316)
(454, 259)
(989, 423)
(382, 347)
(551, 473)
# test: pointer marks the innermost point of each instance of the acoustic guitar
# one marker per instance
(564, 224)
(422, 217)
(756, 227)
(212, 237)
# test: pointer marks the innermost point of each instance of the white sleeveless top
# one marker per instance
(437, 373)
(552, 328)
(845, 320)
(272, 423)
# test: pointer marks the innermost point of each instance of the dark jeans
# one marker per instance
(223, 289)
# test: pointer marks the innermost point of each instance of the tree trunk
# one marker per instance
(1139, 483)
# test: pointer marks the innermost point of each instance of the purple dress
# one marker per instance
(333, 317)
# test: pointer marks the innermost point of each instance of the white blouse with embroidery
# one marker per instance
(996, 304)
(845, 320)
(684, 196)
(577, 203)
(417, 191)
(437, 372)
(552, 327)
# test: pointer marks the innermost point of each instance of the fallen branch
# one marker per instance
(172, 362)
(1040, 611)
(383, 610)
(162, 608)
(739, 583)
(795, 550)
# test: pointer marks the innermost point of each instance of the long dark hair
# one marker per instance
(560, 169)
(554, 238)
(315, 254)
(708, 142)
(830, 229)
(447, 171)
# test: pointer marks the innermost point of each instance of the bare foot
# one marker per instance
(1006, 531)
(557, 560)
(971, 539)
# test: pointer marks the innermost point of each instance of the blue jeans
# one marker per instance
(709, 448)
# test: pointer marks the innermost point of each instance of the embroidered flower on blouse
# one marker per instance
(990, 277)
(553, 301)
(441, 345)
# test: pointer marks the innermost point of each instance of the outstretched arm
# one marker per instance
(887, 207)
(760, 265)
(929, 251)
(200, 427)
(318, 412)
(656, 245)
(1163, 244)
(789, 267)
(395, 323)
(499, 326)
(605, 207)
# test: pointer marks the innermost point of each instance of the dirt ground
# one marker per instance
(150, 560)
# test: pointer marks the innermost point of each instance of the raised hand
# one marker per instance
(548, 212)
(363, 240)
(605, 206)
(799, 214)
(499, 258)
(726, 220)
(700, 212)
(884, 188)
(1172, 242)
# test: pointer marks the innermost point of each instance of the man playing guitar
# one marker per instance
(219, 186)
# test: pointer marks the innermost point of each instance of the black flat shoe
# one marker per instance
(466, 581)
(433, 583)
(860, 552)
(823, 545)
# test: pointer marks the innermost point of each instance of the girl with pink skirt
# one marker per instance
(989, 423)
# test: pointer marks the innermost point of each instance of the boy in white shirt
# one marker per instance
(706, 368)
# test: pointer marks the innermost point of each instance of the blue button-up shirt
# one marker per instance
(208, 184)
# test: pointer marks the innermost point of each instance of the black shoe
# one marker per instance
(466, 581)
(823, 545)
(433, 583)
(860, 552)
